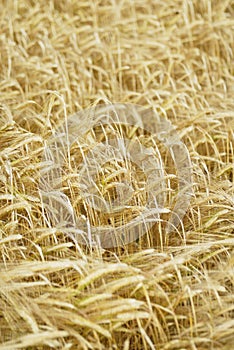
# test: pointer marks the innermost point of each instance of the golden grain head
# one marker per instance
(162, 291)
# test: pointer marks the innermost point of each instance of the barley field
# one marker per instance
(164, 290)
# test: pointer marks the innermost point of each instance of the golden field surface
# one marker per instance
(162, 291)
